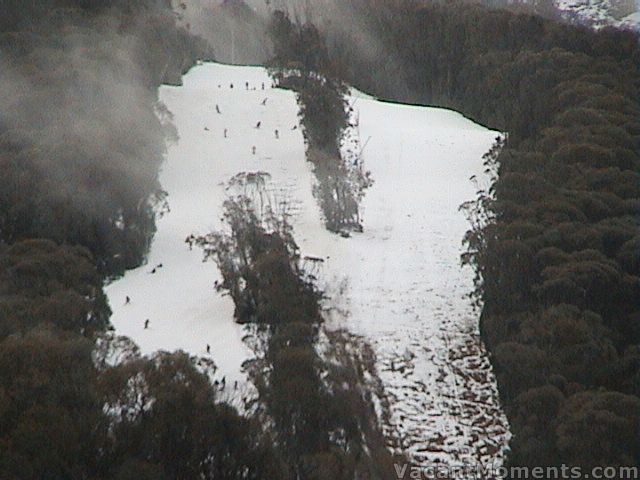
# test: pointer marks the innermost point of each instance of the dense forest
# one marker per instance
(80, 149)
(555, 238)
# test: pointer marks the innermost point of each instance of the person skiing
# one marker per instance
(253, 150)
(217, 108)
(258, 124)
(263, 85)
(225, 133)
(127, 300)
(190, 241)
(231, 86)
(264, 102)
(277, 133)
(208, 348)
(246, 85)
(146, 324)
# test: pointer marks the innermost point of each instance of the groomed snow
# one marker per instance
(398, 284)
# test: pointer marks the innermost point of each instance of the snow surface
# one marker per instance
(599, 13)
(399, 284)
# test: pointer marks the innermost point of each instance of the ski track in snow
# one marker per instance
(399, 284)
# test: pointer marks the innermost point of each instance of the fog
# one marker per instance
(237, 29)
(78, 106)
(83, 144)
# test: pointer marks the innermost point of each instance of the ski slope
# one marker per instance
(398, 285)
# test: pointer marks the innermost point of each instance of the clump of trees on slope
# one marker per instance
(555, 240)
(318, 405)
(301, 62)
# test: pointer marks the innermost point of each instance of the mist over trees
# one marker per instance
(81, 141)
(80, 149)
(236, 33)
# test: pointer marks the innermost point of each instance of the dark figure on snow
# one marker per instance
(127, 300)
(206, 129)
(253, 150)
(264, 102)
(258, 124)
(277, 134)
(295, 127)
(225, 133)
(146, 324)
(217, 108)
(231, 86)
(190, 240)
(208, 348)
(159, 265)
(153, 271)
(263, 85)
(246, 84)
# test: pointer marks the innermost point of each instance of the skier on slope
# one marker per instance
(146, 324)
(190, 240)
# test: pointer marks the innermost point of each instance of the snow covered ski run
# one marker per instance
(398, 284)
